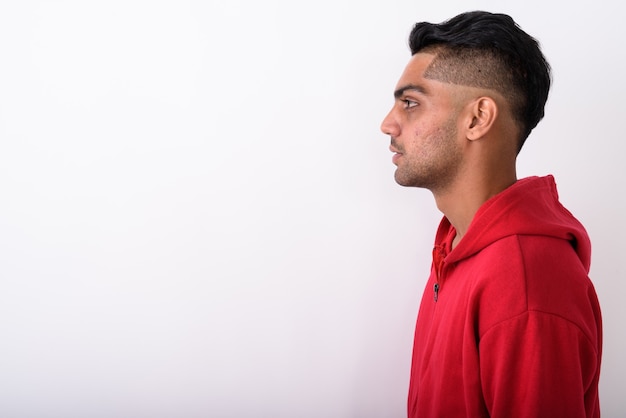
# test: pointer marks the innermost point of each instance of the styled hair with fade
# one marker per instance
(488, 50)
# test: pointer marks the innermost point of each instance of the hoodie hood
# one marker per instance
(529, 207)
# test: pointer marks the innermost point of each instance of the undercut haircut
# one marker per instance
(488, 50)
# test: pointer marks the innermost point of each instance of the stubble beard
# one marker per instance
(437, 164)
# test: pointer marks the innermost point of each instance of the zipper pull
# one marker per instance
(436, 289)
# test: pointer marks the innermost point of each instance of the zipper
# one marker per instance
(439, 255)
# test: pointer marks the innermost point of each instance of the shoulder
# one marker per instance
(521, 274)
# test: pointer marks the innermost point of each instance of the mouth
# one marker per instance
(396, 154)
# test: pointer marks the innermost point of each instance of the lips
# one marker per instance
(396, 154)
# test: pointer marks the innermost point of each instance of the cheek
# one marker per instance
(422, 127)
(420, 134)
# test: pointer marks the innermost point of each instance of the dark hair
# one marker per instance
(489, 50)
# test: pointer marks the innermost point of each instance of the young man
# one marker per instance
(509, 324)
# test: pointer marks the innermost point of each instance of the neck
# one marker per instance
(460, 201)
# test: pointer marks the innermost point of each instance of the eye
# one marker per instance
(408, 103)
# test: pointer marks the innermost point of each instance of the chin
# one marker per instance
(410, 181)
(403, 180)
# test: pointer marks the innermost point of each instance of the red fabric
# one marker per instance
(516, 328)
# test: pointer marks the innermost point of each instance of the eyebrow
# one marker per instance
(398, 93)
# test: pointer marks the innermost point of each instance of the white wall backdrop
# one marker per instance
(198, 216)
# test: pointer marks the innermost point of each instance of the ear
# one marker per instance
(481, 117)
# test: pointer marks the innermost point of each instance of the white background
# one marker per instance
(198, 216)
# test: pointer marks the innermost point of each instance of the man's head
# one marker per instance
(490, 51)
(472, 91)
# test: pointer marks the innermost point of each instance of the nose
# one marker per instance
(389, 126)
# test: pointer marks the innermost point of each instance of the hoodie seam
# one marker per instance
(537, 311)
(527, 310)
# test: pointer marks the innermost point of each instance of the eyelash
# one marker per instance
(408, 103)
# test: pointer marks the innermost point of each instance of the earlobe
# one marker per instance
(483, 115)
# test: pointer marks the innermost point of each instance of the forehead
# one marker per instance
(415, 69)
(415, 81)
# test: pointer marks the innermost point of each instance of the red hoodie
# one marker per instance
(509, 324)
